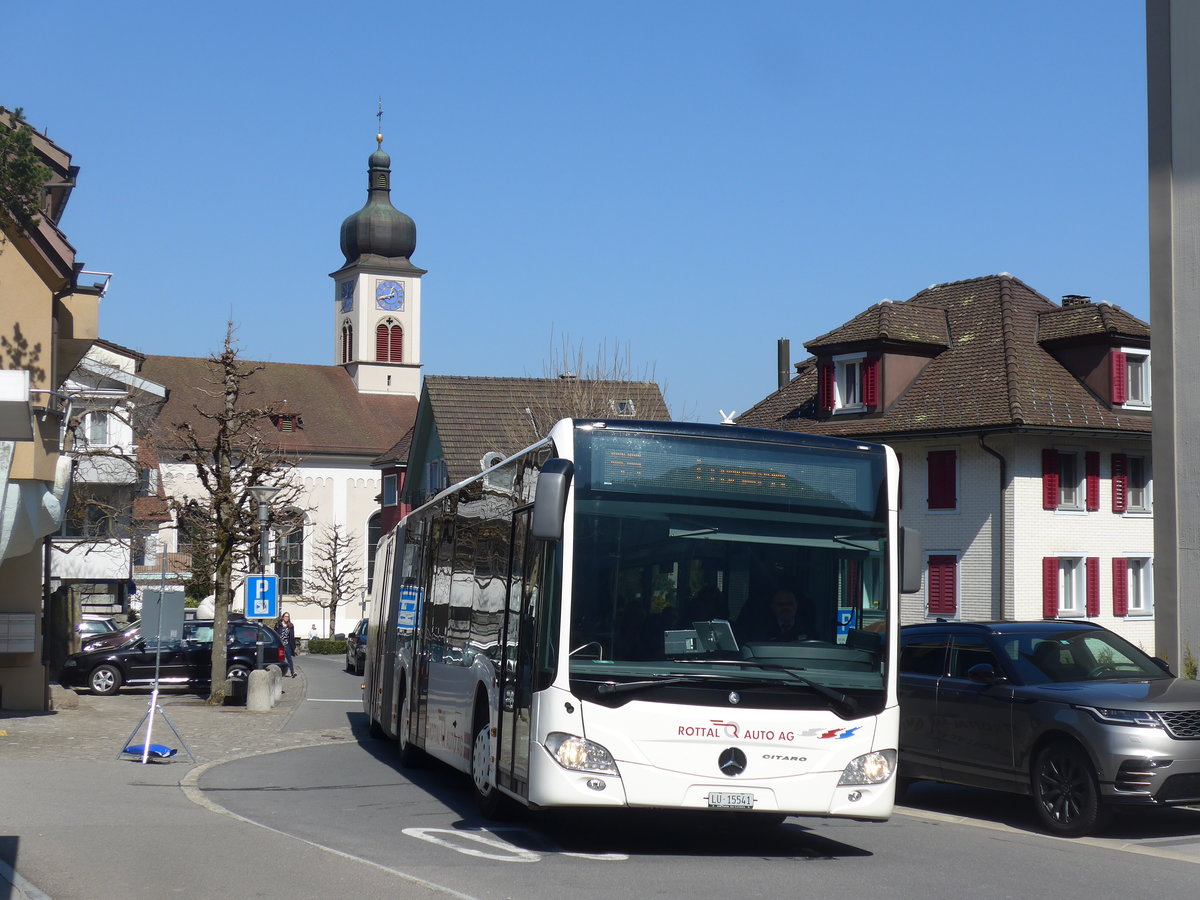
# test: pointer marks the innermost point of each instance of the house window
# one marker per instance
(622, 408)
(389, 490)
(88, 520)
(347, 342)
(98, 427)
(288, 423)
(1133, 586)
(1070, 586)
(1131, 483)
(435, 476)
(374, 533)
(1070, 480)
(289, 554)
(389, 341)
(941, 585)
(942, 476)
(849, 383)
(147, 482)
(1131, 378)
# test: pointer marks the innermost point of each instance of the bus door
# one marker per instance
(518, 655)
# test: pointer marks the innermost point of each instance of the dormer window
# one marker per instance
(849, 383)
(1131, 378)
(622, 408)
(288, 422)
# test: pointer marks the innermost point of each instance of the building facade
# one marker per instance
(1023, 429)
(49, 311)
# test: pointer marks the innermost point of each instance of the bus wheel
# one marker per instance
(487, 795)
(375, 730)
(411, 756)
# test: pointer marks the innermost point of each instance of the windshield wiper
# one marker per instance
(845, 701)
(623, 687)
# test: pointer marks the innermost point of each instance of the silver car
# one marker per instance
(1066, 712)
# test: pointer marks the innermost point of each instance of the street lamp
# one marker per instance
(262, 493)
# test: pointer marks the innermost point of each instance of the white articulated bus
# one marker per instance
(595, 622)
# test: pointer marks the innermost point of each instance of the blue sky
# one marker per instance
(687, 180)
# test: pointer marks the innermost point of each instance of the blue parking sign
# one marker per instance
(262, 596)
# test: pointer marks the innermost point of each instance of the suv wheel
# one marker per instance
(1065, 791)
(105, 680)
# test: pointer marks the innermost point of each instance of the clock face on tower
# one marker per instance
(389, 295)
(346, 295)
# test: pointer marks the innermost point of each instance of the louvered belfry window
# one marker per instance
(389, 342)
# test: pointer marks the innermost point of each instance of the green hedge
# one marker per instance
(329, 646)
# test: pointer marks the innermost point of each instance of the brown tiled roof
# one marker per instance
(337, 419)
(398, 454)
(476, 416)
(889, 322)
(993, 374)
(151, 508)
(1089, 321)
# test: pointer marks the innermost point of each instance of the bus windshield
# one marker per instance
(712, 561)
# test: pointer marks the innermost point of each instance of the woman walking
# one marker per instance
(287, 634)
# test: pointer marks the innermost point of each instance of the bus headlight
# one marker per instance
(579, 754)
(870, 768)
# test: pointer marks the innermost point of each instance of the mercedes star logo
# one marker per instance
(732, 762)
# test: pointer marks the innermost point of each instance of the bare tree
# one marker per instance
(605, 385)
(335, 575)
(230, 456)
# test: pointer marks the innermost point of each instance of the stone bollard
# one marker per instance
(276, 682)
(259, 695)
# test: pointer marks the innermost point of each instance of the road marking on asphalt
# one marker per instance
(458, 839)
(1126, 846)
(190, 784)
(330, 700)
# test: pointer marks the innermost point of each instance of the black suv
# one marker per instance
(356, 648)
(1067, 712)
(187, 661)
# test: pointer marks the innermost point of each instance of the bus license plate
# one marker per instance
(730, 801)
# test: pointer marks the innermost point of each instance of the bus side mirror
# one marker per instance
(550, 501)
(911, 562)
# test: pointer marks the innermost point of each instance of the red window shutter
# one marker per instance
(381, 343)
(1050, 586)
(825, 388)
(870, 381)
(943, 596)
(1120, 482)
(1120, 378)
(1120, 572)
(941, 473)
(1049, 478)
(396, 344)
(1092, 469)
(1092, 569)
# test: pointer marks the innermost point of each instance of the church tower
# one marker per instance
(377, 292)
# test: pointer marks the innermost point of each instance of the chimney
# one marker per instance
(784, 354)
(1072, 300)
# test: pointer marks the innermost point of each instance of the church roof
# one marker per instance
(330, 416)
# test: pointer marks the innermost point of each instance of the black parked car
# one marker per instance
(1067, 712)
(356, 648)
(187, 661)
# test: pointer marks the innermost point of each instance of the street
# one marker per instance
(422, 825)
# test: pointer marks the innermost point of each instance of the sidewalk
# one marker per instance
(71, 803)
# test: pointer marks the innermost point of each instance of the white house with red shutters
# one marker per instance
(1023, 429)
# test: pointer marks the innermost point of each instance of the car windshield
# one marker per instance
(1059, 655)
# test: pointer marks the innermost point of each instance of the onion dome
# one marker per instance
(378, 229)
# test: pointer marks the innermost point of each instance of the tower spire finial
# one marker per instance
(379, 133)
